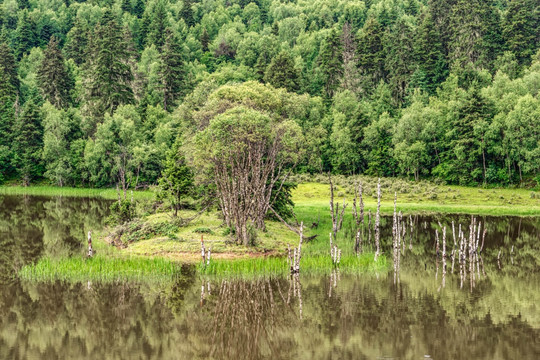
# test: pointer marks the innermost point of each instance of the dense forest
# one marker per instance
(104, 92)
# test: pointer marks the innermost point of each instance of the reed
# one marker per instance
(279, 266)
(104, 269)
(109, 194)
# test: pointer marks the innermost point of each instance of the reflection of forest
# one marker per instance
(313, 318)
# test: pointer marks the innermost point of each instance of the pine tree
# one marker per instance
(441, 11)
(126, 6)
(371, 53)
(77, 42)
(429, 54)
(138, 9)
(399, 62)
(9, 87)
(160, 22)
(520, 29)
(187, 13)
(28, 143)
(25, 38)
(331, 62)
(475, 37)
(177, 178)
(108, 75)
(172, 70)
(281, 73)
(205, 40)
(53, 76)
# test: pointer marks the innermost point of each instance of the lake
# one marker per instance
(413, 314)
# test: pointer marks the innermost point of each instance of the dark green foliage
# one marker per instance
(158, 25)
(123, 211)
(53, 76)
(205, 40)
(108, 74)
(187, 13)
(25, 37)
(331, 62)
(177, 180)
(172, 70)
(281, 73)
(521, 28)
(430, 56)
(28, 143)
(371, 55)
(282, 201)
(367, 72)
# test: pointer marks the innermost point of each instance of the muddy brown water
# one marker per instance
(338, 316)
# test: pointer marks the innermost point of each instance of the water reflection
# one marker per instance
(424, 312)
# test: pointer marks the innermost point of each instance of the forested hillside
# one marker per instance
(105, 92)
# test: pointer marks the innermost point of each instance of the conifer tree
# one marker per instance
(53, 76)
(429, 54)
(77, 42)
(331, 62)
(281, 73)
(108, 75)
(24, 35)
(28, 142)
(475, 37)
(399, 60)
(521, 29)
(187, 13)
(371, 53)
(160, 22)
(9, 86)
(205, 40)
(172, 70)
(138, 9)
(126, 6)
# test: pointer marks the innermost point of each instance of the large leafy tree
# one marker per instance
(246, 143)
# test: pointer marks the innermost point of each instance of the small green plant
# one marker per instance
(203, 230)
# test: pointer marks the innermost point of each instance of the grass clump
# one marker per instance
(277, 266)
(108, 194)
(103, 269)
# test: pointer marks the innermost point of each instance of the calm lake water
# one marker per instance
(410, 315)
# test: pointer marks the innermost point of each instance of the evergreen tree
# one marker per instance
(177, 178)
(187, 13)
(108, 75)
(28, 143)
(399, 62)
(475, 37)
(521, 29)
(77, 42)
(53, 76)
(172, 70)
(126, 6)
(9, 87)
(205, 40)
(371, 53)
(25, 38)
(441, 11)
(281, 73)
(429, 54)
(138, 9)
(160, 22)
(331, 62)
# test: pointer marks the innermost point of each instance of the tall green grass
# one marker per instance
(109, 194)
(277, 266)
(103, 269)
